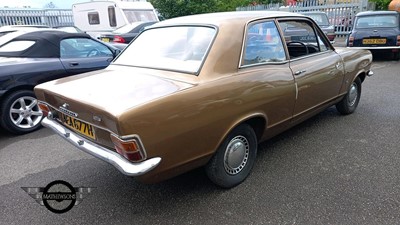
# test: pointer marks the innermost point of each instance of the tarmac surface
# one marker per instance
(331, 169)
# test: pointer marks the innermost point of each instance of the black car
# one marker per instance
(378, 31)
(126, 33)
(37, 57)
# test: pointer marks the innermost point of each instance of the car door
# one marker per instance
(316, 67)
(79, 55)
(265, 66)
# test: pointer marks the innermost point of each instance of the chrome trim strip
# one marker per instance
(312, 55)
(123, 165)
(372, 48)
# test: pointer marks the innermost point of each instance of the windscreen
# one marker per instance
(181, 48)
(320, 19)
(377, 21)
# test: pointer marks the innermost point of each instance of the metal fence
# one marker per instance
(48, 17)
(340, 12)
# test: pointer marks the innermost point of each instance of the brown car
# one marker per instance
(204, 90)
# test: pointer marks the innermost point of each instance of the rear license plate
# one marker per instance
(78, 126)
(105, 39)
(380, 41)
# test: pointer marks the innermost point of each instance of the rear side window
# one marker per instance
(111, 16)
(4, 33)
(16, 46)
(263, 44)
(93, 18)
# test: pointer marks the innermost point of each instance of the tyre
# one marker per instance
(19, 113)
(350, 101)
(234, 159)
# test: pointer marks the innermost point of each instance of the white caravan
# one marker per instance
(102, 16)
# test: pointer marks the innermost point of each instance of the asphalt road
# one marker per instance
(331, 169)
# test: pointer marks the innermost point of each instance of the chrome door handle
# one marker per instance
(299, 72)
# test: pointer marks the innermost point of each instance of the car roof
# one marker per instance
(226, 17)
(53, 36)
(371, 13)
(313, 12)
(47, 43)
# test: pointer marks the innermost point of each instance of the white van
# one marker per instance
(102, 16)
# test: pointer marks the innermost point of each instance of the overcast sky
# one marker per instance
(62, 4)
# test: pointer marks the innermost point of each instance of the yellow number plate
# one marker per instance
(381, 41)
(78, 126)
(105, 39)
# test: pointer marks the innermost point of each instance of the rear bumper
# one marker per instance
(373, 48)
(123, 165)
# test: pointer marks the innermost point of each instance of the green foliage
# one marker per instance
(175, 8)
(381, 4)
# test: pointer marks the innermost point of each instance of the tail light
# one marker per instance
(351, 41)
(331, 36)
(44, 108)
(130, 149)
(398, 40)
(119, 39)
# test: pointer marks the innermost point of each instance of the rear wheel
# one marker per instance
(350, 101)
(234, 159)
(20, 113)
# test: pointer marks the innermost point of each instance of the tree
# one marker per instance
(174, 8)
(381, 4)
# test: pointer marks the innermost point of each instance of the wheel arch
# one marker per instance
(17, 88)
(361, 75)
(257, 121)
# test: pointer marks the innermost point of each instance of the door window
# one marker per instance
(82, 48)
(263, 44)
(302, 39)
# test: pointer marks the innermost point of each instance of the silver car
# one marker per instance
(322, 20)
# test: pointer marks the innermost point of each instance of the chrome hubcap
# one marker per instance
(353, 94)
(25, 113)
(236, 155)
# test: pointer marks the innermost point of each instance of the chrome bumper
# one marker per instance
(123, 165)
(377, 47)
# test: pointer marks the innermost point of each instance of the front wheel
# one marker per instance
(234, 159)
(350, 101)
(20, 112)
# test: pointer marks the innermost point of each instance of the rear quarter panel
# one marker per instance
(356, 62)
(186, 128)
(15, 72)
